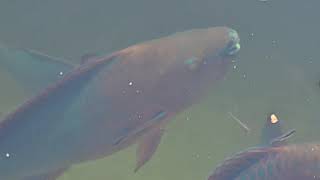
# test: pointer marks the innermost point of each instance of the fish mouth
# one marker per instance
(233, 46)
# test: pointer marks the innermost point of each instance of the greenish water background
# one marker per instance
(277, 70)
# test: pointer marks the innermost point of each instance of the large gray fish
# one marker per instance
(107, 103)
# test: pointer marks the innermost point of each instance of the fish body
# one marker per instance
(109, 102)
(289, 162)
(275, 160)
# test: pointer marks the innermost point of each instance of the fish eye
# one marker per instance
(192, 63)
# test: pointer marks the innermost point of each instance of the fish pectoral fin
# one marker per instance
(232, 167)
(31, 69)
(148, 146)
(158, 119)
(53, 175)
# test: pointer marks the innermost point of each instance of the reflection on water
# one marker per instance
(276, 71)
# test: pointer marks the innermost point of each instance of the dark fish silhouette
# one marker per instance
(106, 103)
(278, 161)
(272, 129)
(289, 162)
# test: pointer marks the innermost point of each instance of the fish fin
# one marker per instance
(53, 175)
(31, 69)
(279, 141)
(232, 167)
(145, 127)
(148, 146)
(273, 128)
(87, 57)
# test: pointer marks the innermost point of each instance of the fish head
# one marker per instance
(202, 57)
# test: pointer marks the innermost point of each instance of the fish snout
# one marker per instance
(233, 45)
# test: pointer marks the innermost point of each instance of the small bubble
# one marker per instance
(209, 157)
(244, 75)
(61, 73)
(130, 83)
(235, 67)
(251, 35)
(7, 155)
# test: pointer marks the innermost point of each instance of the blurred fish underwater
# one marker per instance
(107, 103)
(276, 161)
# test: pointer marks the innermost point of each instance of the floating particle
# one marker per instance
(251, 35)
(244, 75)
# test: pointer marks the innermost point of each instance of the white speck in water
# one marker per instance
(130, 83)
(7, 155)
(244, 75)
(235, 67)
(268, 57)
(196, 156)
(251, 35)
(61, 73)
(209, 156)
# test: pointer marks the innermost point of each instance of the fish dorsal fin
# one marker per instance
(280, 140)
(88, 57)
(31, 69)
(232, 167)
(273, 128)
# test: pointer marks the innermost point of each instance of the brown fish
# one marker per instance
(107, 103)
(278, 161)
(289, 162)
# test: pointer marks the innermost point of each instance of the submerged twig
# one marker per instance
(243, 125)
(33, 51)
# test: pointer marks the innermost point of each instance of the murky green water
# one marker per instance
(277, 70)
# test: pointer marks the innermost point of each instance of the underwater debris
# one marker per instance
(243, 125)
